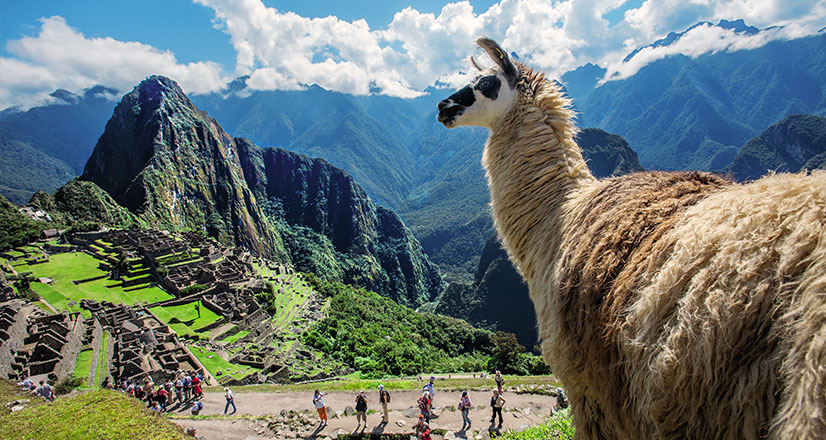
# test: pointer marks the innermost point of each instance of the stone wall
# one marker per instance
(16, 333)
(74, 342)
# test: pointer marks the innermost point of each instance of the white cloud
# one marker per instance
(62, 57)
(698, 41)
(282, 50)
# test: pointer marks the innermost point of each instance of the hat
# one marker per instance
(464, 393)
(559, 390)
(421, 416)
(381, 387)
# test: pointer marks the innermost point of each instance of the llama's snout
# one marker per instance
(448, 110)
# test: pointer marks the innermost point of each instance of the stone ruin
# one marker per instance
(46, 346)
(143, 344)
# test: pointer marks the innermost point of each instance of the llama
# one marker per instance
(671, 305)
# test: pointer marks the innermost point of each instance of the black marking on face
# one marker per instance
(463, 97)
(489, 86)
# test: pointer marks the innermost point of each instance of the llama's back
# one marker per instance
(713, 322)
(731, 323)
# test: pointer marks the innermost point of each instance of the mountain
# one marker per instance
(83, 204)
(46, 146)
(174, 167)
(684, 113)
(738, 26)
(321, 212)
(498, 299)
(797, 142)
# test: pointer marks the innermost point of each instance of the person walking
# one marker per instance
(496, 404)
(361, 409)
(318, 401)
(425, 406)
(464, 406)
(384, 399)
(230, 400)
(429, 387)
(422, 429)
(197, 406)
(500, 381)
(561, 400)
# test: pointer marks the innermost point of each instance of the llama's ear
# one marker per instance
(500, 58)
(475, 65)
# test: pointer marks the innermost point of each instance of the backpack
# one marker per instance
(361, 403)
(423, 403)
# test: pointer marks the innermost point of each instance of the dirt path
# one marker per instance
(520, 410)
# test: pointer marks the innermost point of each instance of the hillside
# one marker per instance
(46, 146)
(684, 113)
(797, 142)
(174, 167)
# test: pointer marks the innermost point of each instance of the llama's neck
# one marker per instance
(533, 166)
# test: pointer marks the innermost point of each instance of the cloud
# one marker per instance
(62, 57)
(701, 40)
(416, 50)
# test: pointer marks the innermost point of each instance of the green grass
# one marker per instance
(214, 363)
(353, 382)
(235, 337)
(558, 426)
(100, 414)
(83, 365)
(102, 369)
(187, 315)
(67, 267)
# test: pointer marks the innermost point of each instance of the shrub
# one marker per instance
(67, 384)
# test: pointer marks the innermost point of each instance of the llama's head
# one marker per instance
(488, 97)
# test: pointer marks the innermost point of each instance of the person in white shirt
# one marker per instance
(230, 401)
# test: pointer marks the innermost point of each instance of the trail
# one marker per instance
(520, 410)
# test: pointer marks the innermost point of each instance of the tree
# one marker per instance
(506, 355)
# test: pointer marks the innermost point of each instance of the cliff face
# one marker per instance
(797, 142)
(174, 167)
(369, 244)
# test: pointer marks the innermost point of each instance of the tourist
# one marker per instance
(422, 428)
(156, 408)
(188, 386)
(230, 400)
(148, 390)
(430, 389)
(197, 407)
(196, 387)
(162, 396)
(500, 381)
(561, 401)
(361, 409)
(496, 404)
(425, 406)
(384, 399)
(179, 390)
(28, 384)
(320, 407)
(464, 407)
(46, 391)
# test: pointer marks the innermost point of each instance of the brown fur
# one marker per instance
(671, 305)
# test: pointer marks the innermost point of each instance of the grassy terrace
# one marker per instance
(214, 363)
(184, 318)
(82, 367)
(288, 304)
(235, 337)
(95, 415)
(353, 382)
(102, 367)
(68, 267)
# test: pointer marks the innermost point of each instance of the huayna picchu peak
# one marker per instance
(174, 167)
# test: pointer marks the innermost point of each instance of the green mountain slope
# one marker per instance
(797, 142)
(683, 113)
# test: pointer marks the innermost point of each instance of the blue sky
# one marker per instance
(396, 47)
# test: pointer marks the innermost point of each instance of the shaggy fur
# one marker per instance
(671, 305)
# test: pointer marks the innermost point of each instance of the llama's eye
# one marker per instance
(489, 86)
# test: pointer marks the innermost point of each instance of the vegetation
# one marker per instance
(558, 426)
(215, 364)
(65, 268)
(185, 319)
(379, 337)
(83, 366)
(94, 415)
(15, 228)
